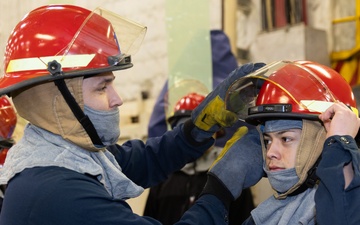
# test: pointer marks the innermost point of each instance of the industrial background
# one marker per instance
(326, 31)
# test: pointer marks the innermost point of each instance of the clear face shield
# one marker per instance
(115, 40)
(298, 90)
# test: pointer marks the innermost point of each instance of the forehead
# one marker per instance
(99, 78)
(104, 75)
(295, 131)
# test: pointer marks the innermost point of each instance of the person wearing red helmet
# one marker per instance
(8, 121)
(184, 107)
(170, 199)
(307, 115)
(67, 167)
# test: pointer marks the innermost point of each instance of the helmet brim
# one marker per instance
(49, 78)
(260, 118)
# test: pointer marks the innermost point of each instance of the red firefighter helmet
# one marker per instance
(184, 107)
(8, 121)
(63, 41)
(299, 89)
(56, 42)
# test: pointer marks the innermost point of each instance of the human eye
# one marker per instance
(286, 139)
(267, 142)
(101, 87)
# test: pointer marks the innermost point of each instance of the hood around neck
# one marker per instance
(313, 136)
(44, 106)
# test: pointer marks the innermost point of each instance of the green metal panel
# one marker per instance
(189, 47)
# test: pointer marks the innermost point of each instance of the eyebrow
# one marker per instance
(105, 80)
(280, 132)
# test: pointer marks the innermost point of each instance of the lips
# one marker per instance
(275, 168)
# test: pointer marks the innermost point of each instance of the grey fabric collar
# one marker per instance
(299, 209)
(39, 147)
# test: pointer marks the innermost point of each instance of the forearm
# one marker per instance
(149, 163)
(348, 171)
(207, 210)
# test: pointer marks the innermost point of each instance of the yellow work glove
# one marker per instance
(210, 116)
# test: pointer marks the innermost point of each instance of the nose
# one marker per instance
(272, 151)
(114, 98)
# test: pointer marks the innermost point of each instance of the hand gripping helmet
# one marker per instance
(184, 107)
(56, 42)
(8, 121)
(292, 90)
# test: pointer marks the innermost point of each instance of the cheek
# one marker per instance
(267, 161)
(87, 98)
(96, 101)
(290, 159)
(87, 94)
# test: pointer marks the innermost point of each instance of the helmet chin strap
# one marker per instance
(55, 69)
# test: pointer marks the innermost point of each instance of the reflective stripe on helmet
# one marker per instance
(40, 63)
(322, 106)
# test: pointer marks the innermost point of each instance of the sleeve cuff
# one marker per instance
(195, 140)
(215, 187)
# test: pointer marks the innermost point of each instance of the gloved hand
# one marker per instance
(211, 115)
(239, 166)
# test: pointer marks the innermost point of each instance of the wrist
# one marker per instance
(337, 151)
(346, 142)
(215, 187)
(195, 135)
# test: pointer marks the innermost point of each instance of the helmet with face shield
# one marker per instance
(68, 41)
(299, 89)
(292, 90)
(62, 44)
(181, 98)
(184, 107)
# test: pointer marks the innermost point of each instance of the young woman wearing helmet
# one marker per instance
(308, 117)
(67, 167)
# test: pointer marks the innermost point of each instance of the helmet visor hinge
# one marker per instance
(120, 59)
